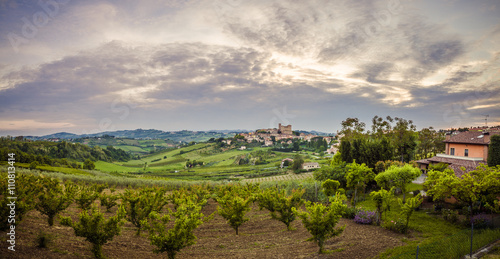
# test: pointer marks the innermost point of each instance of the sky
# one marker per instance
(93, 66)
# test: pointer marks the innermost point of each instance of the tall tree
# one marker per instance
(494, 151)
(352, 127)
(404, 138)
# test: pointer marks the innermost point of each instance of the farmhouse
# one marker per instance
(465, 149)
(310, 165)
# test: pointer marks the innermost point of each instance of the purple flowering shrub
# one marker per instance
(365, 217)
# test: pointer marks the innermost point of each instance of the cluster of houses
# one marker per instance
(283, 132)
(464, 150)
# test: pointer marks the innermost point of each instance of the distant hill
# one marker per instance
(176, 136)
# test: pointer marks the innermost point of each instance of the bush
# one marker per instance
(481, 221)
(365, 217)
(350, 213)
(398, 226)
(450, 215)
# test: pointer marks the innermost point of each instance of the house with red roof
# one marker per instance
(463, 150)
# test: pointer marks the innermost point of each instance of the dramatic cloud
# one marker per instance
(102, 65)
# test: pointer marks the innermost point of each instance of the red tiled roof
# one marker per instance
(454, 163)
(470, 137)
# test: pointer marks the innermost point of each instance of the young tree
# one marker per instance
(280, 205)
(233, 208)
(95, 228)
(330, 187)
(139, 204)
(86, 195)
(108, 200)
(27, 186)
(320, 220)
(408, 207)
(382, 200)
(187, 218)
(53, 198)
(357, 177)
(398, 176)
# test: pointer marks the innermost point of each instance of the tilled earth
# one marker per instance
(260, 237)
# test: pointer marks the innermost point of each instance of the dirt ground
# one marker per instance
(260, 237)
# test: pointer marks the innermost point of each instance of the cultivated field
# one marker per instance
(260, 237)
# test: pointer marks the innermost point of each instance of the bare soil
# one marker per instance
(260, 237)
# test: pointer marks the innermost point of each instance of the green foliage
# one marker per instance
(330, 187)
(336, 172)
(33, 165)
(494, 151)
(88, 164)
(26, 187)
(381, 166)
(58, 153)
(108, 200)
(233, 206)
(450, 215)
(187, 218)
(95, 228)
(320, 220)
(53, 198)
(482, 184)
(357, 177)
(197, 195)
(382, 199)
(430, 142)
(86, 195)
(397, 225)
(297, 163)
(398, 176)
(139, 204)
(408, 207)
(280, 204)
(438, 167)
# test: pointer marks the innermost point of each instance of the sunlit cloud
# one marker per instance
(227, 64)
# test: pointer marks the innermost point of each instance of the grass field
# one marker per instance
(218, 164)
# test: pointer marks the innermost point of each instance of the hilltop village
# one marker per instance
(271, 135)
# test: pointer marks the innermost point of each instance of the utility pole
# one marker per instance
(486, 119)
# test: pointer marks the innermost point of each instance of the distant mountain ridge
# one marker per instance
(182, 135)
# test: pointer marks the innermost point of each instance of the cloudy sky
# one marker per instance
(92, 66)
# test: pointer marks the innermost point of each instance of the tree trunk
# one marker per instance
(51, 220)
(97, 250)
(355, 196)
(320, 244)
